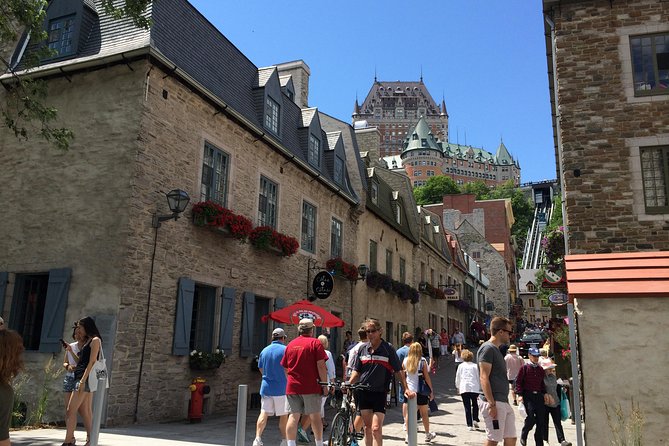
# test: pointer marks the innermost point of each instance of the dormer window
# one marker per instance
(61, 35)
(375, 193)
(314, 155)
(272, 109)
(339, 171)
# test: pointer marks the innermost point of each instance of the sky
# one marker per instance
(486, 58)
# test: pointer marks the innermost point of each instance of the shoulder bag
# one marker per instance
(423, 388)
(98, 372)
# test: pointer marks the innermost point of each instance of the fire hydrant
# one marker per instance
(198, 389)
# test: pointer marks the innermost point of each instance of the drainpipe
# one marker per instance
(576, 384)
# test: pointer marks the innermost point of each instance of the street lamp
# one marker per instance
(362, 271)
(177, 200)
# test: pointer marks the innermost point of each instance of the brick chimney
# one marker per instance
(300, 73)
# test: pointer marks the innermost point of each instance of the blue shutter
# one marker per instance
(246, 348)
(181, 344)
(4, 278)
(279, 303)
(53, 322)
(227, 320)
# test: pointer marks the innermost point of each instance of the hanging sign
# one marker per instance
(322, 285)
(558, 298)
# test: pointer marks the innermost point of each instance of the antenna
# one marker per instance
(375, 79)
(421, 73)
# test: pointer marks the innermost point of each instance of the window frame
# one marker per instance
(403, 270)
(223, 172)
(308, 231)
(664, 177)
(272, 121)
(336, 240)
(389, 263)
(373, 255)
(72, 33)
(266, 217)
(314, 151)
(658, 89)
(339, 170)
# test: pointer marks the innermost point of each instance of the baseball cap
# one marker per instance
(278, 333)
(547, 364)
(533, 351)
(305, 324)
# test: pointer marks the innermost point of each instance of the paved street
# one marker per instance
(448, 423)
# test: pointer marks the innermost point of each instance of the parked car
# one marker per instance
(528, 341)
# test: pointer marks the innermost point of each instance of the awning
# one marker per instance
(638, 274)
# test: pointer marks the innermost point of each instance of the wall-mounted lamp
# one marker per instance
(362, 271)
(177, 200)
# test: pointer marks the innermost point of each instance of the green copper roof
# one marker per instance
(421, 138)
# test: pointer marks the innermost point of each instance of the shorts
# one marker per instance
(69, 383)
(78, 383)
(274, 405)
(374, 401)
(435, 352)
(506, 418)
(422, 400)
(306, 404)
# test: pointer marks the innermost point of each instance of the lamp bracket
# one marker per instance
(160, 218)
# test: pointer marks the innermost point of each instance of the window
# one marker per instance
(267, 203)
(422, 272)
(61, 32)
(339, 171)
(389, 262)
(432, 277)
(655, 177)
(202, 319)
(531, 287)
(375, 193)
(335, 238)
(403, 270)
(417, 173)
(272, 115)
(314, 155)
(530, 303)
(308, 227)
(476, 254)
(398, 213)
(215, 166)
(372, 255)
(261, 331)
(650, 64)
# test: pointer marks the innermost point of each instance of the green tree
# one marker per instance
(478, 188)
(24, 110)
(434, 190)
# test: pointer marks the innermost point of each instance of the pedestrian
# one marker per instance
(434, 340)
(330, 366)
(304, 362)
(513, 365)
(554, 390)
(2, 323)
(402, 352)
(72, 351)
(458, 339)
(88, 331)
(374, 366)
(422, 340)
(457, 357)
(273, 386)
(415, 368)
(468, 384)
(443, 342)
(531, 392)
(350, 359)
(498, 415)
(348, 340)
(11, 363)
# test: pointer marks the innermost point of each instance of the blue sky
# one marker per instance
(486, 57)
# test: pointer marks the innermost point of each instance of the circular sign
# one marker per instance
(558, 298)
(322, 285)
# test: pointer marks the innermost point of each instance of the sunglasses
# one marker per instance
(508, 331)
(372, 331)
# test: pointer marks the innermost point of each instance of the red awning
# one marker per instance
(638, 274)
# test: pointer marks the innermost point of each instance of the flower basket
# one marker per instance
(342, 269)
(208, 213)
(266, 238)
(199, 360)
(460, 304)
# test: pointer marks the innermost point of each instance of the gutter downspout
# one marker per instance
(576, 387)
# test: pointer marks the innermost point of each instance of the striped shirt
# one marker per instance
(376, 367)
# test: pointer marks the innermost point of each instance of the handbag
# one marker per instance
(433, 406)
(98, 372)
(423, 388)
(564, 406)
(522, 412)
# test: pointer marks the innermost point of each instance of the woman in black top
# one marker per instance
(87, 330)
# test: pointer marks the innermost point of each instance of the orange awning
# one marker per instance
(638, 274)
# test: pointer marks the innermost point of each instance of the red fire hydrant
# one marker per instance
(198, 389)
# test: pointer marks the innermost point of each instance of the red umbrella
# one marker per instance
(304, 309)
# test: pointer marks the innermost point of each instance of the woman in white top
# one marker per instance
(70, 361)
(415, 367)
(331, 373)
(468, 385)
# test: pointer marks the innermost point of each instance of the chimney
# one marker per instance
(369, 140)
(300, 73)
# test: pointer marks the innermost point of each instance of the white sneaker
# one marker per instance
(471, 428)
(565, 443)
(284, 442)
(476, 425)
(429, 436)
(257, 442)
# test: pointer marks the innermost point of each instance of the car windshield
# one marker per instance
(532, 338)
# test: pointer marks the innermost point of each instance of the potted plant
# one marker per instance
(342, 268)
(209, 213)
(199, 360)
(266, 238)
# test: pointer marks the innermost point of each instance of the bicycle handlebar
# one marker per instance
(344, 385)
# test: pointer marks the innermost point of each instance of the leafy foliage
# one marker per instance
(435, 189)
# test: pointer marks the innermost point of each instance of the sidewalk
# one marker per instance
(448, 423)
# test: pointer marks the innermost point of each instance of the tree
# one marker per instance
(478, 188)
(24, 110)
(435, 189)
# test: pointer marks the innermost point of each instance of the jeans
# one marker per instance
(556, 414)
(534, 405)
(469, 400)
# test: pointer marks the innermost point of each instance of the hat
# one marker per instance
(278, 333)
(513, 348)
(305, 324)
(533, 351)
(547, 364)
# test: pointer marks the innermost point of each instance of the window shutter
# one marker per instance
(248, 313)
(4, 278)
(279, 303)
(227, 320)
(53, 323)
(182, 322)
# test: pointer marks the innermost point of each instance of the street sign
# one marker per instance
(451, 293)
(322, 285)
(558, 298)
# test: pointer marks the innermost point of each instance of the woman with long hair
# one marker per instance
(415, 367)
(72, 352)
(88, 331)
(11, 362)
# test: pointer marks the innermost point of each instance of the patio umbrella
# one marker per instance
(304, 309)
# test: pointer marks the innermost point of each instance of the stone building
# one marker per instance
(535, 309)
(608, 78)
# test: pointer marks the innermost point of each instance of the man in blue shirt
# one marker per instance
(273, 387)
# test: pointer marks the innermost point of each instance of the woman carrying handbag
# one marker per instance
(88, 331)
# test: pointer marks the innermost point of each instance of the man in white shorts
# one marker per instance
(273, 387)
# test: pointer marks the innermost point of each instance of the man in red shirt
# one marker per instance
(304, 362)
(531, 392)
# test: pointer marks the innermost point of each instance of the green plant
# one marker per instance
(51, 371)
(626, 430)
(19, 410)
(200, 360)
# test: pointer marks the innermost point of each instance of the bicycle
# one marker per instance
(342, 431)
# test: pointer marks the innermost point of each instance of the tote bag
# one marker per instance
(564, 406)
(98, 373)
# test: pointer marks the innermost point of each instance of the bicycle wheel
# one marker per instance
(339, 431)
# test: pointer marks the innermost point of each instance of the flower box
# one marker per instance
(199, 360)
(266, 238)
(342, 269)
(210, 214)
(379, 281)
